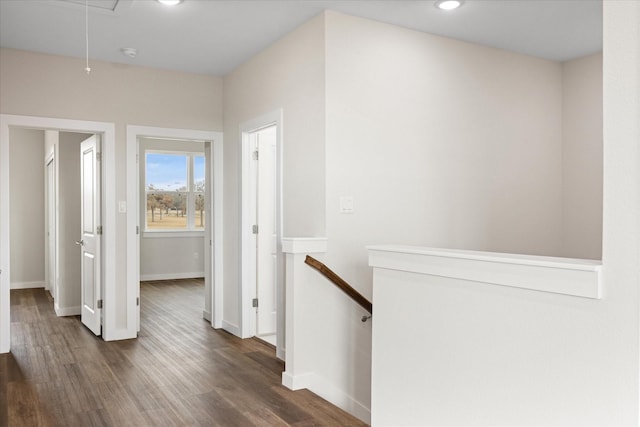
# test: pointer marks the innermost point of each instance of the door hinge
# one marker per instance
(99, 303)
(255, 155)
(138, 301)
(99, 231)
(98, 156)
(254, 229)
(137, 229)
(254, 302)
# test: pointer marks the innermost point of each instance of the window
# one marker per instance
(174, 184)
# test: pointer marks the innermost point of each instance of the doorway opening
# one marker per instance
(262, 290)
(172, 186)
(106, 259)
(56, 222)
(174, 224)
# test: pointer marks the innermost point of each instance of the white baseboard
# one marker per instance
(297, 382)
(67, 311)
(118, 334)
(28, 285)
(231, 328)
(328, 392)
(342, 400)
(171, 276)
(206, 315)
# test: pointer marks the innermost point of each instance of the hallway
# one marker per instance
(178, 372)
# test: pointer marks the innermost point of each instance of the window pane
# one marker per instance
(166, 172)
(166, 210)
(198, 187)
(198, 173)
(199, 210)
(166, 185)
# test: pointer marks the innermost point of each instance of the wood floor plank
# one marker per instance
(24, 407)
(178, 372)
(6, 365)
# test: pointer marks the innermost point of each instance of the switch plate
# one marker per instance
(346, 204)
(122, 206)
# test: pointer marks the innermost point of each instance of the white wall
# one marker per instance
(42, 85)
(493, 355)
(287, 75)
(621, 216)
(168, 257)
(582, 157)
(441, 143)
(27, 208)
(458, 146)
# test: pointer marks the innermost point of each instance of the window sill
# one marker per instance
(172, 234)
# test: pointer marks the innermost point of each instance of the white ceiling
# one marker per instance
(215, 36)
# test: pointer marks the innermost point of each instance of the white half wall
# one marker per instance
(480, 338)
(316, 354)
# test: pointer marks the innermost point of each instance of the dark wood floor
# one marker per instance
(179, 372)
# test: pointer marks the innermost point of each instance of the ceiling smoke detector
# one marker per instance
(129, 51)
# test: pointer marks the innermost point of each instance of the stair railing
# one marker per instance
(342, 284)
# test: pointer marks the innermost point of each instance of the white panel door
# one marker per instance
(266, 241)
(90, 235)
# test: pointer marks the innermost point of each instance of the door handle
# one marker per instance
(80, 242)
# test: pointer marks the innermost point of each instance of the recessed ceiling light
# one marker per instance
(448, 4)
(170, 2)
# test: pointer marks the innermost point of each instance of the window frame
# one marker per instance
(190, 230)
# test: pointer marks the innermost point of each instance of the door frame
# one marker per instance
(247, 267)
(52, 270)
(213, 251)
(107, 131)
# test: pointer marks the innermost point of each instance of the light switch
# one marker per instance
(122, 206)
(346, 204)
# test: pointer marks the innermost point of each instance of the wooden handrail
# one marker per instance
(339, 282)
